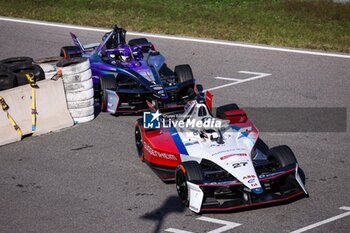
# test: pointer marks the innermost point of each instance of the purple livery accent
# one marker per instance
(139, 71)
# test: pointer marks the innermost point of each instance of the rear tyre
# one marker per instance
(106, 82)
(138, 41)
(183, 73)
(282, 155)
(142, 41)
(139, 142)
(184, 76)
(187, 171)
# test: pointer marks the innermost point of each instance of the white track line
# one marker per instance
(229, 79)
(174, 230)
(325, 221)
(228, 225)
(258, 75)
(227, 43)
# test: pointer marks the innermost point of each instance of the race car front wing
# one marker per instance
(279, 186)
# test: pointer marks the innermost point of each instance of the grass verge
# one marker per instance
(316, 24)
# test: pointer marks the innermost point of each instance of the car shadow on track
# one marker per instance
(171, 205)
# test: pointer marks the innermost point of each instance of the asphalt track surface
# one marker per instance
(88, 178)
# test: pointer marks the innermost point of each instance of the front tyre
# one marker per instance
(187, 171)
(282, 156)
(106, 82)
(181, 187)
(139, 142)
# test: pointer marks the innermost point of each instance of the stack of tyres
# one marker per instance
(78, 85)
(13, 72)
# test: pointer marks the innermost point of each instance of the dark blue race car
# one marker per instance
(133, 77)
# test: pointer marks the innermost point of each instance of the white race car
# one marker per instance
(219, 163)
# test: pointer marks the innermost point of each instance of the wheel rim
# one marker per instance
(139, 144)
(181, 186)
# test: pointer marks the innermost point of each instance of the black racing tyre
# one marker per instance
(7, 80)
(15, 61)
(138, 41)
(187, 171)
(106, 82)
(22, 69)
(282, 155)
(3, 68)
(139, 142)
(220, 111)
(183, 73)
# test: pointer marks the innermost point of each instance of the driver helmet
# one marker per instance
(125, 55)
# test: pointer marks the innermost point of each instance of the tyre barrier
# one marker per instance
(18, 67)
(80, 104)
(78, 84)
(73, 66)
(79, 120)
(77, 77)
(71, 98)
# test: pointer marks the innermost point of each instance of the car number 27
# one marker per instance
(240, 164)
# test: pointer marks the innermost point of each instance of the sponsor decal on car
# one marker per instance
(230, 155)
(155, 153)
(191, 143)
(251, 181)
(239, 164)
(249, 177)
(269, 175)
(225, 151)
(220, 182)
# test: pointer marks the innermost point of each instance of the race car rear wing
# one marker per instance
(77, 42)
